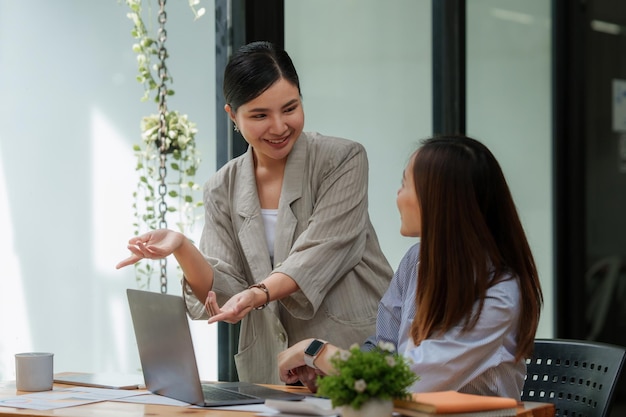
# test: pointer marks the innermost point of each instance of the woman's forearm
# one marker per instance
(280, 285)
(198, 272)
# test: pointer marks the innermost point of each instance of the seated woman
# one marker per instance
(465, 302)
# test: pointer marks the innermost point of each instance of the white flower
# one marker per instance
(180, 132)
(360, 385)
(134, 17)
(344, 355)
(390, 361)
(387, 346)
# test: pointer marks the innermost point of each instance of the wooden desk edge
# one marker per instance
(529, 409)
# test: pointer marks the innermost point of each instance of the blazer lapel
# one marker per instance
(252, 231)
(291, 191)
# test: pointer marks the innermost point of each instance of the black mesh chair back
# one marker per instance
(577, 376)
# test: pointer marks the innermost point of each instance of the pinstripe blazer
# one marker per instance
(324, 241)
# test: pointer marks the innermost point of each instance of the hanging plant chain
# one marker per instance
(162, 94)
(167, 149)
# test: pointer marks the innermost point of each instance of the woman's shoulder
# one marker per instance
(408, 263)
(320, 141)
(412, 254)
(506, 287)
(327, 153)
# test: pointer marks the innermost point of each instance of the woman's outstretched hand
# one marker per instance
(156, 244)
(234, 310)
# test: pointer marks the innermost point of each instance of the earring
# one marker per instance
(235, 128)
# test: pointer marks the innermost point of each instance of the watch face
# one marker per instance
(314, 347)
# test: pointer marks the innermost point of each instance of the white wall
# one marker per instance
(69, 114)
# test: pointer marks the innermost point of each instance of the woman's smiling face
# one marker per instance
(272, 122)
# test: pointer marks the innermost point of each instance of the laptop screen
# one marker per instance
(168, 359)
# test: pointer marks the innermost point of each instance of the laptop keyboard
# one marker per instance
(213, 393)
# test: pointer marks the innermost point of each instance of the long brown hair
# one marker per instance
(471, 238)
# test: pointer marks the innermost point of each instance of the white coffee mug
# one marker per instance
(34, 371)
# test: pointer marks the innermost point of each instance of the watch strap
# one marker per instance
(315, 348)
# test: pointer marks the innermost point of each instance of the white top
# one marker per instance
(269, 220)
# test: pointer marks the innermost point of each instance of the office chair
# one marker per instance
(577, 376)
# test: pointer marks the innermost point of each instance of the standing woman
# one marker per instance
(464, 304)
(287, 247)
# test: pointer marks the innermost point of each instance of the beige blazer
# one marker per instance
(324, 241)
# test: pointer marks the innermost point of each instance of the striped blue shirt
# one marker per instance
(481, 361)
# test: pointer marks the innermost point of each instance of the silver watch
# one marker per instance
(312, 351)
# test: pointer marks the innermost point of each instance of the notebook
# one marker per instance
(455, 404)
(168, 360)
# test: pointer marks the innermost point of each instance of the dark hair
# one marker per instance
(471, 238)
(253, 69)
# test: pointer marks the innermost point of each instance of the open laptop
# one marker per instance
(168, 360)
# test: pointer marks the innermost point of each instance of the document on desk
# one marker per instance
(147, 397)
(65, 397)
(261, 409)
(309, 407)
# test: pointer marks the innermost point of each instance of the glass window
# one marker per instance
(509, 109)
(365, 73)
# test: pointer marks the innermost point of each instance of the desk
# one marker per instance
(113, 408)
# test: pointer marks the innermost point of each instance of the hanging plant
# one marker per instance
(167, 157)
(184, 161)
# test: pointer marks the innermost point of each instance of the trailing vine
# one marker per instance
(167, 143)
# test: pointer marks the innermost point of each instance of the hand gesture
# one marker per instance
(156, 244)
(233, 310)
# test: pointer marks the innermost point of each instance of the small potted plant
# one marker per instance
(366, 382)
